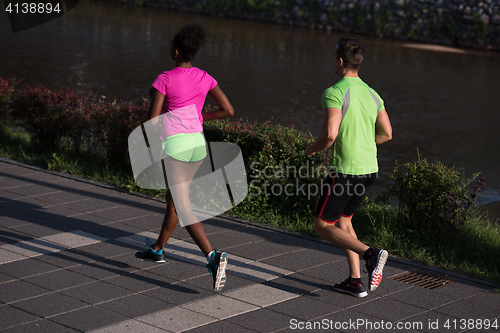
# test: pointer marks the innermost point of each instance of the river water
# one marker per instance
(445, 104)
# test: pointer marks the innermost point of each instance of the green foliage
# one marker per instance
(6, 92)
(45, 114)
(436, 197)
(283, 182)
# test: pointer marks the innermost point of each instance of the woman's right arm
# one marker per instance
(225, 108)
(155, 105)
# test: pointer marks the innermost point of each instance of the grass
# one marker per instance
(474, 251)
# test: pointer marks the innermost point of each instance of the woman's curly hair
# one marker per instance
(189, 40)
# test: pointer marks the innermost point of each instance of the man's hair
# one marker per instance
(189, 40)
(351, 51)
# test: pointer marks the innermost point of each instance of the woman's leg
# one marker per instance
(169, 222)
(180, 175)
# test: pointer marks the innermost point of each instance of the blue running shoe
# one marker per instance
(217, 268)
(150, 254)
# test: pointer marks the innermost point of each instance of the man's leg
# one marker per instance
(344, 223)
(338, 236)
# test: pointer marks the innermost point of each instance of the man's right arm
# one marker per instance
(383, 128)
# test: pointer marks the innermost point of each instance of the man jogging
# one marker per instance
(355, 121)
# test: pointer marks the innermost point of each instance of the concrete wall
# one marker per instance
(469, 23)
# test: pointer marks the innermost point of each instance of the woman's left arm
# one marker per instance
(156, 104)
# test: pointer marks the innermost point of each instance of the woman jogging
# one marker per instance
(178, 96)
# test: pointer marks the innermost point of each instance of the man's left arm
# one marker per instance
(329, 131)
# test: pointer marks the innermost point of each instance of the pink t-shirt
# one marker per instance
(185, 91)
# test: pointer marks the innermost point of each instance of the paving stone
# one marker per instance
(176, 319)
(302, 260)
(130, 260)
(134, 282)
(13, 317)
(5, 278)
(96, 292)
(58, 280)
(463, 288)
(42, 228)
(220, 307)
(8, 256)
(388, 309)
(179, 293)
(258, 271)
(109, 249)
(89, 204)
(262, 320)
(13, 219)
(135, 305)
(9, 236)
(220, 327)
(101, 269)
(260, 295)
(54, 213)
(40, 326)
(351, 321)
(33, 190)
(49, 305)
(82, 221)
(89, 318)
(116, 213)
(148, 222)
(179, 270)
(421, 297)
(62, 197)
(298, 283)
(74, 239)
(304, 308)
(26, 267)
(333, 272)
(130, 326)
(232, 282)
(33, 247)
(10, 182)
(261, 250)
(113, 230)
(228, 239)
(67, 258)
(19, 290)
(473, 307)
(339, 299)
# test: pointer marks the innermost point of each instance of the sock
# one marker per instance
(156, 251)
(368, 254)
(209, 256)
(355, 280)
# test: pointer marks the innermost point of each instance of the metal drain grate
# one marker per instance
(423, 278)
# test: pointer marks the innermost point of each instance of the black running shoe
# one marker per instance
(217, 268)
(149, 254)
(355, 289)
(374, 265)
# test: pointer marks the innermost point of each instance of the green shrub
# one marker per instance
(45, 114)
(282, 180)
(436, 197)
(6, 92)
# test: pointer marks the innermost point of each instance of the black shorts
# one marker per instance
(341, 195)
